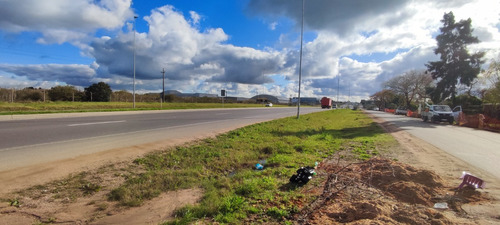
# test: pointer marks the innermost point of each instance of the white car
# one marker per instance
(456, 112)
(269, 104)
(400, 111)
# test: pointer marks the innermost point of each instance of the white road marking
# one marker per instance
(96, 123)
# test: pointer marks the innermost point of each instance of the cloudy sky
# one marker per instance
(247, 47)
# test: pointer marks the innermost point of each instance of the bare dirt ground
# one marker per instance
(378, 191)
(39, 200)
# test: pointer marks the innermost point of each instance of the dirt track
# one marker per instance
(357, 204)
(420, 154)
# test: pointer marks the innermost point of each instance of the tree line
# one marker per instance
(98, 92)
(452, 80)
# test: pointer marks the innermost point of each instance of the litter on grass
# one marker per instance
(303, 175)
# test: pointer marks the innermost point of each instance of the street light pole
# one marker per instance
(300, 60)
(338, 87)
(163, 93)
(135, 17)
(338, 81)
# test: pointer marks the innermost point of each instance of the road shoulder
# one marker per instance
(418, 153)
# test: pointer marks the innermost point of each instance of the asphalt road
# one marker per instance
(479, 148)
(36, 139)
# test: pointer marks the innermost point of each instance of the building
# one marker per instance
(305, 101)
(270, 98)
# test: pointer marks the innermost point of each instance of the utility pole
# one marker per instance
(163, 93)
(338, 87)
(338, 81)
(349, 96)
(135, 17)
(300, 61)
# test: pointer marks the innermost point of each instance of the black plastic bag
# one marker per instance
(304, 174)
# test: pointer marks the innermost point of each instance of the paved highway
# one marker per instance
(476, 147)
(26, 140)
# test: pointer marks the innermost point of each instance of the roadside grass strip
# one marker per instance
(224, 167)
(7, 108)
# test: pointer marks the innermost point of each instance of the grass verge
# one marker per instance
(65, 107)
(225, 166)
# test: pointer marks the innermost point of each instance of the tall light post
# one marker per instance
(300, 60)
(338, 87)
(163, 93)
(133, 97)
(338, 83)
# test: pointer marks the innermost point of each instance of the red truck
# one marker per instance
(326, 103)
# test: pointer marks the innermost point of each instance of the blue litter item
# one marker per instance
(259, 166)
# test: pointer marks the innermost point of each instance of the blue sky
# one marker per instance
(243, 46)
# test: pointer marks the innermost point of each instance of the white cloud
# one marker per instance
(195, 17)
(185, 52)
(272, 26)
(21, 83)
(67, 73)
(62, 21)
(44, 74)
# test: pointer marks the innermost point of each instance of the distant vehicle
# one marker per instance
(269, 104)
(376, 109)
(334, 106)
(326, 103)
(437, 113)
(401, 111)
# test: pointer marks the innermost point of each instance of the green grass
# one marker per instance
(7, 108)
(224, 166)
(234, 192)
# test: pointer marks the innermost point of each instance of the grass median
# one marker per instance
(225, 166)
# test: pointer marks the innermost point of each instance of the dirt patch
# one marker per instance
(154, 211)
(81, 198)
(383, 191)
(94, 210)
(39, 194)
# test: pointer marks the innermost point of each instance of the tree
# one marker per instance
(411, 85)
(100, 92)
(383, 98)
(456, 65)
(30, 94)
(121, 96)
(170, 98)
(493, 72)
(492, 95)
(64, 93)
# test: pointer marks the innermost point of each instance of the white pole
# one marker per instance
(135, 17)
(300, 60)
(163, 93)
(338, 83)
